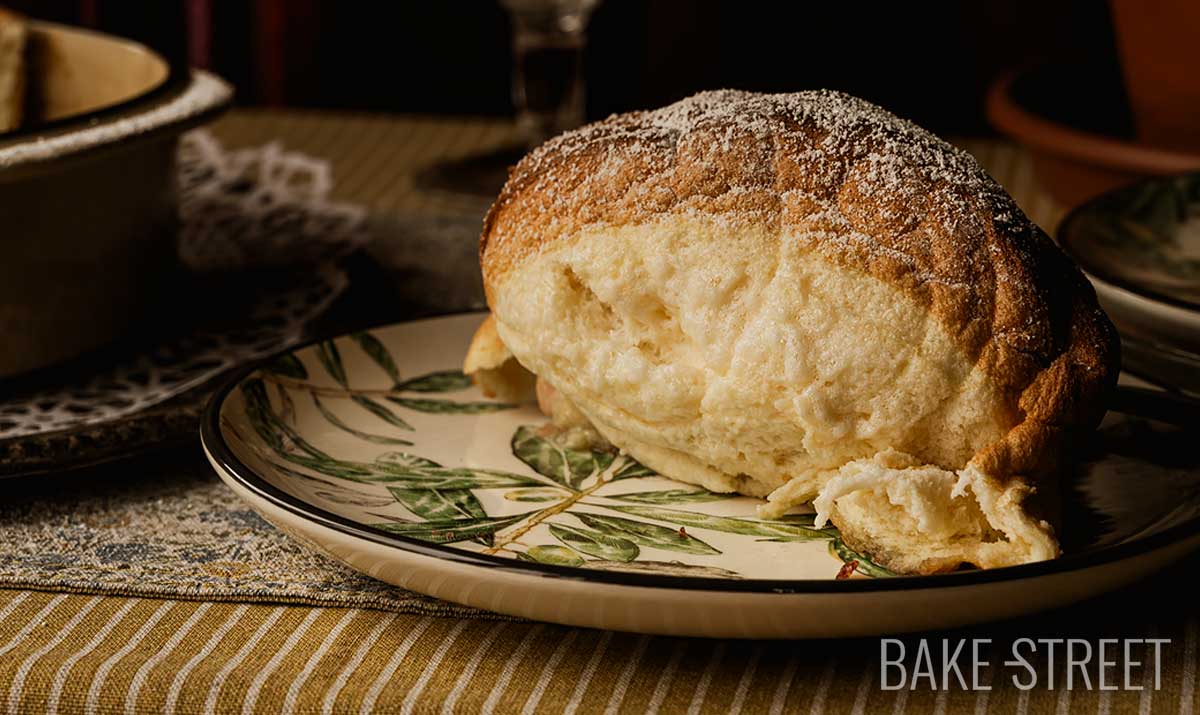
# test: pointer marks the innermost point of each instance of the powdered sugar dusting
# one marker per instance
(827, 177)
(851, 181)
(749, 141)
(850, 129)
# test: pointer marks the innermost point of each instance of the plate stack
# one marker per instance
(1140, 246)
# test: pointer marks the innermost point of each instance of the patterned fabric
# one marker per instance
(259, 206)
(73, 653)
(190, 631)
(178, 533)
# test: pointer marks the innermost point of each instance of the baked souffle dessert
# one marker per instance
(12, 69)
(802, 297)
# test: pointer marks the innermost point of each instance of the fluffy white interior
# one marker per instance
(743, 362)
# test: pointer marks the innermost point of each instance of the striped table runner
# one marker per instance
(79, 653)
(76, 652)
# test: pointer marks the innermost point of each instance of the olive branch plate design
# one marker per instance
(346, 423)
(373, 448)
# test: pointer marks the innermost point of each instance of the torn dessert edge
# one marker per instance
(494, 369)
(951, 517)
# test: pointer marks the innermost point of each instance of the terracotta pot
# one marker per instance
(1074, 165)
(1159, 46)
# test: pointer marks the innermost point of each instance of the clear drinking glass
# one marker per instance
(547, 88)
(548, 41)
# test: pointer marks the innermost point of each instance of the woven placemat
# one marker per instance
(164, 525)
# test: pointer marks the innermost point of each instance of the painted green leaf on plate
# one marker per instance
(401, 462)
(378, 353)
(424, 404)
(287, 365)
(632, 469)
(674, 568)
(258, 412)
(554, 555)
(442, 381)
(536, 494)
(365, 436)
(670, 496)
(866, 566)
(439, 478)
(352, 499)
(433, 504)
(274, 431)
(645, 534)
(287, 407)
(448, 531)
(779, 530)
(405, 471)
(319, 480)
(352, 471)
(595, 543)
(380, 411)
(551, 457)
(331, 360)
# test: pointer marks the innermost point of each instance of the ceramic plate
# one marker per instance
(1144, 238)
(1140, 247)
(374, 449)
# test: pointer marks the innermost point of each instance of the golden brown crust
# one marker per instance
(486, 351)
(493, 368)
(865, 190)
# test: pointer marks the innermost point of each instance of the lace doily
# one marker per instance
(239, 210)
(259, 207)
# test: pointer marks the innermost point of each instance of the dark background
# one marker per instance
(931, 62)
